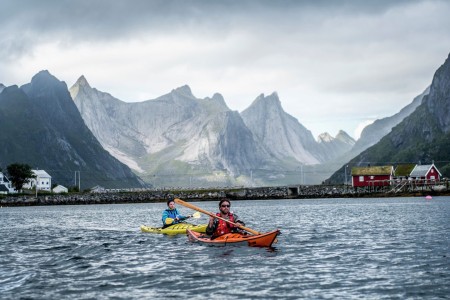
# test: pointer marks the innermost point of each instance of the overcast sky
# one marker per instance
(334, 64)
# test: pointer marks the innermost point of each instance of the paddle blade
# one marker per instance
(169, 221)
(196, 215)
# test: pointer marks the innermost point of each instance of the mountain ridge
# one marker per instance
(45, 130)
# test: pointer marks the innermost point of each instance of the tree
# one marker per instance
(19, 174)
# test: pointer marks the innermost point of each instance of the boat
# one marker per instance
(179, 228)
(252, 240)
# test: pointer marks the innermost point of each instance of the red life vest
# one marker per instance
(224, 227)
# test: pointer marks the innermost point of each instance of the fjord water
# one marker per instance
(379, 248)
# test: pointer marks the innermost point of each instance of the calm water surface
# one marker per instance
(390, 248)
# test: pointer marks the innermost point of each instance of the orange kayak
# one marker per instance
(260, 240)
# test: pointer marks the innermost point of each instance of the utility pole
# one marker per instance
(301, 175)
(79, 179)
(345, 173)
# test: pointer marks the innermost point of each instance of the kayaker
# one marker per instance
(218, 227)
(171, 215)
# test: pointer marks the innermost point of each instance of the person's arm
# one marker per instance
(212, 225)
(165, 215)
(182, 218)
(238, 221)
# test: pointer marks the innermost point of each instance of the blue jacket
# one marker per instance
(172, 213)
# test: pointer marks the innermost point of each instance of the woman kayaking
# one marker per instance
(217, 227)
(171, 215)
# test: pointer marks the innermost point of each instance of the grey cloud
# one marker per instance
(111, 19)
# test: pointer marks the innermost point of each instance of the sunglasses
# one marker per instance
(224, 206)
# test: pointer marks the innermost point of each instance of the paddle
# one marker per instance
(195, 215)
(192, 206)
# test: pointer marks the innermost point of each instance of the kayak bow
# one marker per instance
(259, 240)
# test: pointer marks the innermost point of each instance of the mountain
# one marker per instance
(373, 133)
(2, 87)
(42, 127)
(285, 137)
(178, 139)
(334, 147)
(422, 137)
(174, 138)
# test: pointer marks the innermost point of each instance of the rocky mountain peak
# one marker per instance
(439, 96)
(43, 78)
(324, 138)
(219, 100)
(184, 90)
(344, 137)
(82, 82)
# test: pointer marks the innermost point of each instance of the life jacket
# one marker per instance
(224, 227)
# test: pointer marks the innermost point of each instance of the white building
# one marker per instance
(60, 189)
(5, 185)
(44, 181)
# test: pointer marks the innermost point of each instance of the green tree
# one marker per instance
(19, 174)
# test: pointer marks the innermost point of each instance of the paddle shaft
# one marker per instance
(192, 206)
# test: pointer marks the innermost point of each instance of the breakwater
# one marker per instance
(285, 192)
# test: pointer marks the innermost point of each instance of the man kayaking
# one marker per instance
(171, 215)
(218, 227)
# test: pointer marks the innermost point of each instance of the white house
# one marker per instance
(60, 189)
(5, 185)
(43, 179)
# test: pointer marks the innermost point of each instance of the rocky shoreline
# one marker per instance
(301, 192)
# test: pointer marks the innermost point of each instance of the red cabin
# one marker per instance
(372, 176)
(426, 173)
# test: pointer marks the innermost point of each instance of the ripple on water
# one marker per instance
(329, 248)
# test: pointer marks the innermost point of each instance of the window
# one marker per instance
(361, 178)
(372, 177)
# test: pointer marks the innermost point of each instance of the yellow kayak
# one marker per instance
(179, 228)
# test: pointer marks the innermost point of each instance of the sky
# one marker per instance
(335, 65)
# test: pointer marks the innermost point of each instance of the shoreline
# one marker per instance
(236, 194)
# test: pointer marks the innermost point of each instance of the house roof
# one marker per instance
(422, 170)
(404, 169)
(41, 173)
(3, 178)
(3, 188)
(375, 170)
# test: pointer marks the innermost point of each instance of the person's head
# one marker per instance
(224, 206)
(171, 204)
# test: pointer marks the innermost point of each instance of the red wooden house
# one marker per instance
(425, 173)
(372, 176)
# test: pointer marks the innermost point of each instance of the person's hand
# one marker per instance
(240, 223)
(211, 221)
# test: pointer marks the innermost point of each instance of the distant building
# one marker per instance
(60, 189)
(43, 181)
(426, 173)
(372, 176)
(5, 185)
(403, 171)
(97, 189)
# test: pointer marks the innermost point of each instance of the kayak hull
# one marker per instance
(175, 229)
(260, 240)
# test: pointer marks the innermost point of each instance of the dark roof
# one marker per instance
(375, 170)
(404, 169)
(3, 188)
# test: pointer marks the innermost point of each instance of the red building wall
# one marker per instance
(431, 173)
(371, 180)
